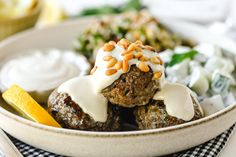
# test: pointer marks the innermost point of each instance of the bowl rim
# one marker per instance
(72, 132)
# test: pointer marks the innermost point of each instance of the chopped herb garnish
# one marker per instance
(107, 9)
(177, 58)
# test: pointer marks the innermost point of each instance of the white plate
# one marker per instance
(136, 143)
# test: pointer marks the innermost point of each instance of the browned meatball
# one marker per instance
(132, 89)
(70, 115)
(154, 116)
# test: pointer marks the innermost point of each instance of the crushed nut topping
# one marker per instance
(143, 67)
(144, 59)
(108, 47)
(129, 56)
(118, 65)
(125, 66)
(107, 58)
(110, 72)
(131, 51)
(111, 63)
(124, 42)
(157, 75)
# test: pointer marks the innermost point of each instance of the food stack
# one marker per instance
(126, 77)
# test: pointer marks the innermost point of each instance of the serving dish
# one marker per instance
(135, 143)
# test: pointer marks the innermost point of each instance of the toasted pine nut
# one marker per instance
(157, 75)
(150, 48)
(129, 56)
(124, 42)
(138, 55)
(132, 47)
(161, 61)
(125, 66)
(108, 47)
(111, 63)
(93, 70)
(107, 58)
(110, 72)
(139, 42)
(118, 65)
(112, 42)
(154, 60)
(125, 52)
(138, 49)
(144, 59)
(143, 67)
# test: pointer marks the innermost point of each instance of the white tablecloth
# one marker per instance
(230, 148)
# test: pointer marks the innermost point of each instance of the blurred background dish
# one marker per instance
(17, 15)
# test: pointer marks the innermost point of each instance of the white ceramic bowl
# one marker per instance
(135, 143)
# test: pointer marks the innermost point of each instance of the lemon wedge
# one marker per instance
(26, 105)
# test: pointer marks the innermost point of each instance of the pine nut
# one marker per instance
(111, 63)
(125, 52)
(157, 75)
(124, 42)
(108, 47)
(154, 60)
(125, 66)
(143, 67)
(138, 49)
(139, 42)
(112, 42)
(138, 55)
(110, 72)
(132, 47)
(144, 59)
(118, 65)
(129, 56)
(107, 58)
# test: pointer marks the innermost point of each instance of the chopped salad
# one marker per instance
(206, 70)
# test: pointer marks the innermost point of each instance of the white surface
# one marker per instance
(229, 150)
(204, 11)
(144, 143)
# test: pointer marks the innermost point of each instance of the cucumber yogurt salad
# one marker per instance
(207, 70)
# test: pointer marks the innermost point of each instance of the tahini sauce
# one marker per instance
(177, 99)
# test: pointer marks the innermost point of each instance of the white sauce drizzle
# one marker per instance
(116, 53)
(177, 99)
(86, 91)
(81, 91)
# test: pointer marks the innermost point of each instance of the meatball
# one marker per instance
(70, 115)
(154, 116)
(132, 89)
